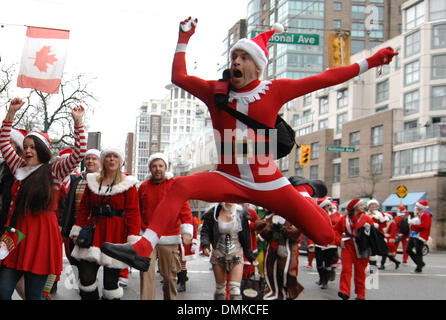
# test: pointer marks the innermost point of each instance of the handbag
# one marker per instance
(253, 288)
(85, 237)
(285, 134)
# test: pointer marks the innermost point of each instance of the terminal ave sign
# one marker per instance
(291, 38)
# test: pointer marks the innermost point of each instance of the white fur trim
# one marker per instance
(17, 137)
(95, 152)
(92, 287)
(151, 236)
(113, 294)
(75, 231)
(253, 49)
(324, 203)
(166, 240)
(419, 205)
(23, 172)
(372, 201)
(363, 66)
(278, 27)
(181, 47)
(94, 254)
(93, 185)
(133, 239)
(187, 228)
(108, 150)
(40, 137)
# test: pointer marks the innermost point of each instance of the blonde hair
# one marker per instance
(119, 177)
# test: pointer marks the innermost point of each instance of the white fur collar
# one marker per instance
(93, 185)
(250, 96)
(23, 172)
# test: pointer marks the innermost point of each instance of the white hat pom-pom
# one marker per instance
(278, 27)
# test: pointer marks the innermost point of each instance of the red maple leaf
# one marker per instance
(44, 58)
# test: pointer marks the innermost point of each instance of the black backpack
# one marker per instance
(285, 134)
(405, 228)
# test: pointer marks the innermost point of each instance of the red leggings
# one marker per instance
(349, 260)
(287, 202)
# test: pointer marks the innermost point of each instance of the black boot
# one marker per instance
(89, 295)
(182, 281)
(324, 279)
(318, 186)
(127, 254)
(343, 296)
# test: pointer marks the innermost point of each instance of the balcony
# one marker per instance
(437, 130)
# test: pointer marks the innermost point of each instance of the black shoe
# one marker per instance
(397, 265)
(382, 267)
(125, 253)
(324, 286)
(343, 296)
(182, 276)
(319, 188)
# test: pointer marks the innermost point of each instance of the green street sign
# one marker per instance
(291, 38)
(341, 149)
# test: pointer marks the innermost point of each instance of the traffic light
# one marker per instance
(304, 155)
(338, 50)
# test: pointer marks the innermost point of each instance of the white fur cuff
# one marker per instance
(113, 294)
(187, 228)
(133, 239)
(75, 231)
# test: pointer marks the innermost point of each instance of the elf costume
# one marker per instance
(247, 177)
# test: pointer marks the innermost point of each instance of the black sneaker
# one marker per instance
(343, 296)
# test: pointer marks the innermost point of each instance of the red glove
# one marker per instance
(383, 56)
(184, 37)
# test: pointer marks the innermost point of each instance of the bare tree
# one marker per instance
(51, 113)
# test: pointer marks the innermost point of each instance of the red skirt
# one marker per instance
(40, 251)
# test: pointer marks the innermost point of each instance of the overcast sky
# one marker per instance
(127, 45)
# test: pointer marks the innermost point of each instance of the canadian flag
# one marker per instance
(43, 59)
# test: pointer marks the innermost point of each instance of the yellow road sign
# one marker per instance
(401, 191)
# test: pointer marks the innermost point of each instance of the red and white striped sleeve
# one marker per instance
(64, 167)
(13, 160)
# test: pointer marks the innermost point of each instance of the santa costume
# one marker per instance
(402, 217)
(246, 177)
(118, 224)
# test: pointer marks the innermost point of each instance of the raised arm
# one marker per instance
(64, 167)
(13, 160)
(194, 85)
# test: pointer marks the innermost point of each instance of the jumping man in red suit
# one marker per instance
(248, 177)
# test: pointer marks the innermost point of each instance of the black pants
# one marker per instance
(324, 259)
(88, 272)
(416, 256)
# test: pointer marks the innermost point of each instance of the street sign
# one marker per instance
(341, 149)
(401, 191)
(291, 38)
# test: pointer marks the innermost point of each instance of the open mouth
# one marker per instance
(237, 74)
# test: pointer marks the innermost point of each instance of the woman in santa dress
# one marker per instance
(34, 205)
(110, 202)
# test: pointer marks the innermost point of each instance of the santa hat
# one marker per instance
(372, 201)
(116, 151)
(42, 136)
(95, 152)
(354, 203)
(159, 155)
(402, 209)
(422, 204)
(65, 153)
(17, 136)
(325, 201)
(257, 46)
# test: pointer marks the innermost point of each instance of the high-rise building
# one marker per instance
(128, 156)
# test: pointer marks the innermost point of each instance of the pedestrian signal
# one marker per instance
(304, 155)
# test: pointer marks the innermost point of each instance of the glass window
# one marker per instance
(337, 6)
(358, 29)
(411, 102)
(336, 172)
(414, 16)
(340, 120)
(439, 66)
(377, 136)
(337, 24)
(438, 100)
(323, 124)
(353, 167)
(314, 172)
(374, 43)
(377, 31)
(418, 160)
(355, 139)
(376, 164)
(314, 150)
(382, 91)
(437, 9)
(412, 44)
(307, 99)
(342, 98)
(356, 46)
(323, 105)
(382, 108)
(439, 36)
(336, 143)
(358, 12)
(412, 72)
